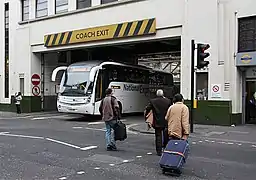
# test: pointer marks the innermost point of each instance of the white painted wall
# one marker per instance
(214, 23)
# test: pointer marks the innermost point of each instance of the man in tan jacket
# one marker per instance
(178, 119)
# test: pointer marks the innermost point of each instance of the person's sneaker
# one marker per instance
(113, 147)
(109, 148)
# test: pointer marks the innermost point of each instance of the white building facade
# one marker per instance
(26, 25)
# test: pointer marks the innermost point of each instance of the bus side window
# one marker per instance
(99, 87)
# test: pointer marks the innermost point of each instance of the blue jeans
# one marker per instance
(110, 141)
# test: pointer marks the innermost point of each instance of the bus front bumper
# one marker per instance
(77, 109)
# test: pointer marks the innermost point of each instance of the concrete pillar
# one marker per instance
(96, 2)
(72, 5)
(51, 7)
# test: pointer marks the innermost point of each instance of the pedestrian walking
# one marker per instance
(18, 98)
(158, 107)
(178, 119)
(109, 110)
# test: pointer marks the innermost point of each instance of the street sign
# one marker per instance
(35, 79)
(216, 91)
(36, 91)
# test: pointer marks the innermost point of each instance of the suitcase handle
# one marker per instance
(173, 152)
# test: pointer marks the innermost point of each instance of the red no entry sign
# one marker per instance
(35, 79)
(215, 88)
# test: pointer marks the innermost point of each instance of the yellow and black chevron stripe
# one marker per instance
(127, 29)
(58, 39)
(135, 28)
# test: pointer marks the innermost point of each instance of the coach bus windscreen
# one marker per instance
(75, 81)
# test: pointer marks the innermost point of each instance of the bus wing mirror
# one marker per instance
(55, 71)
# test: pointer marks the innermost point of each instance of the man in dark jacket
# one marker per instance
(109, 110)
(159, 107)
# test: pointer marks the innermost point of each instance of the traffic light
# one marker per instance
(202, 55)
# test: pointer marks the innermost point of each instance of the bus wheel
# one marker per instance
(120, 107)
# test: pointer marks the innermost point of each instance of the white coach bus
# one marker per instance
(83, 86)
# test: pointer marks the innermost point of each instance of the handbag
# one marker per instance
(150, 119)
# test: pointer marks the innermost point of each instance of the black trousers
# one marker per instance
(18, 108)
(161, 139)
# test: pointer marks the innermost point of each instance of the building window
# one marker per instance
(84, 4)
(107, 1)
(41, 8)
(6, 55)
(247, 34)
(25, 10)
(61, 6)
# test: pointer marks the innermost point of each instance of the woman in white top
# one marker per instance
(18, 99)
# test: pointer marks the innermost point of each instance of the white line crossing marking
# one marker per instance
(193, 142)
(230, 143)
(22, 136)
(4, 132)
(79, 127)
(102, 122)
(149, 153)
(112, 164)
(97, 168)
(200, 141)
(63, 143)
(94, 129)
(239, 144)
(138, 156)
(80, 172)
(125, 161)
(88, 148)
(63, 178)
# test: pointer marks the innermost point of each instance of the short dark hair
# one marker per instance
(178, 98)
(108, 91)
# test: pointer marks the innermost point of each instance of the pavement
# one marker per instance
(58, 146)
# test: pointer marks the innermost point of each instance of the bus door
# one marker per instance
(98, 91)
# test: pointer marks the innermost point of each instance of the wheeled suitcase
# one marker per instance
(120, 131)
(174, 156)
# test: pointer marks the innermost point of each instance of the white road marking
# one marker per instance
(22, 136)
(97, 168)
(77, 127)
(200, 141)
(4, 132)
(138, 156)
(80, 172)
(230, 143)
(254, 146)
(239, 144)
(88, 148)
(193, 142)
(213, 141)
(95, 129)
(63, 143)
(95, 123)
(102, 122)
(125, 161)
(149, 153)
(129, 126)
(63, 178)
(112, 164)
(207, 140)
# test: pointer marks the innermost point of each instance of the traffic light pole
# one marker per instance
(192, 85)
